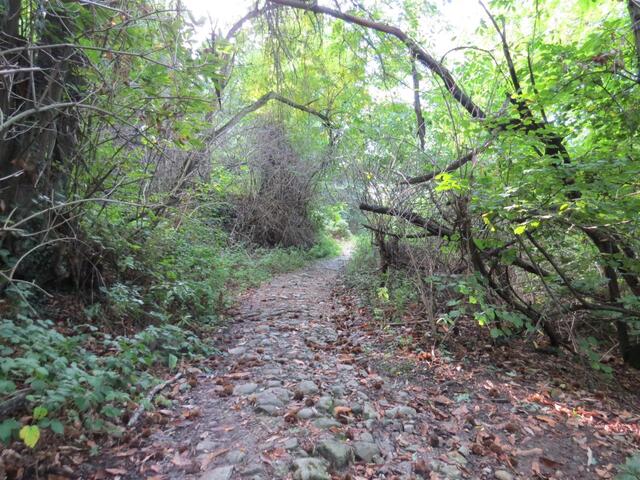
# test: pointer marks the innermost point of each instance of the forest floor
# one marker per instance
(309, 387)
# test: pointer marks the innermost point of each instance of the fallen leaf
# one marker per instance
(529, 453)
(115, 471)
(549, 463)
(442, 400)
(341, 411)
(547, 419)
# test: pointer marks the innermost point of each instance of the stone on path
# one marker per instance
(310, 469)
(307, 413)
(220, 473)
(291, 443)
(308, 387)
(207, 445)
(503, 475)
(337, 453)
(235, 456)
(245, 389)
(365, 451)
(324, 422)
(325, 403)
(400, 412)
(450, 472)
(269, 402)
(237, 351)
(370, 412)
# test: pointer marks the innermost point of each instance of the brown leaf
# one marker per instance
(115, 471)
(421, 467)
(547, 419)
(529, 453)
(512, 427)
(549, 463)
(191, 413)
(227, 390)
(291, 415)
(477, 449)
(442, 400)
(341, 411)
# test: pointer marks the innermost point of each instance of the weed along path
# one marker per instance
(307, 390)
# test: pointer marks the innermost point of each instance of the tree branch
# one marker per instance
(421, 130)
(427, 60)
(466, 158)
(259, 104)
(433, 227)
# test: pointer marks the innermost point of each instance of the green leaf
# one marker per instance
(56, 426)
(7, 386)
(496, 332)
(520, 229)
(39, 413)
(173, 361)
(30, 434)
(7, 427)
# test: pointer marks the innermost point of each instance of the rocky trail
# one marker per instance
(308, 390)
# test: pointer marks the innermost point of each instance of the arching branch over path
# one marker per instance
(262, 101)
(418, 52)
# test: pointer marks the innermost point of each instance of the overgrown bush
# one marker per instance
(171, 284)
(83, 377)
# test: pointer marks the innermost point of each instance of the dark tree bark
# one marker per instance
(417, 107)
(37, 136)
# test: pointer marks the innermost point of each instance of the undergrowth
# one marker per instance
(170, 288)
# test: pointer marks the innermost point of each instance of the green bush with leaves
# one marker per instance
(87, 378)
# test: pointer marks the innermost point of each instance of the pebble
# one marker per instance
(325, 403)
(220, 473)
(268, 398)
(365, 451)
(237, 351)
(369, 412)
(401, 411)
(338, 390)
(310, 469)
(337, 453)
(307, 413)
(450, 471)
(245, 389)
(324, 422)
(235, 456)
(308, 387)
(206, 446)
(503, 475)
(457, 458)
(254, 470)
(291, 443)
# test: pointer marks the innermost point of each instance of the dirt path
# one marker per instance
(305, 392)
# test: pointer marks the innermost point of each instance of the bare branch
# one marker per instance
(260, 103)
(433, 227)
